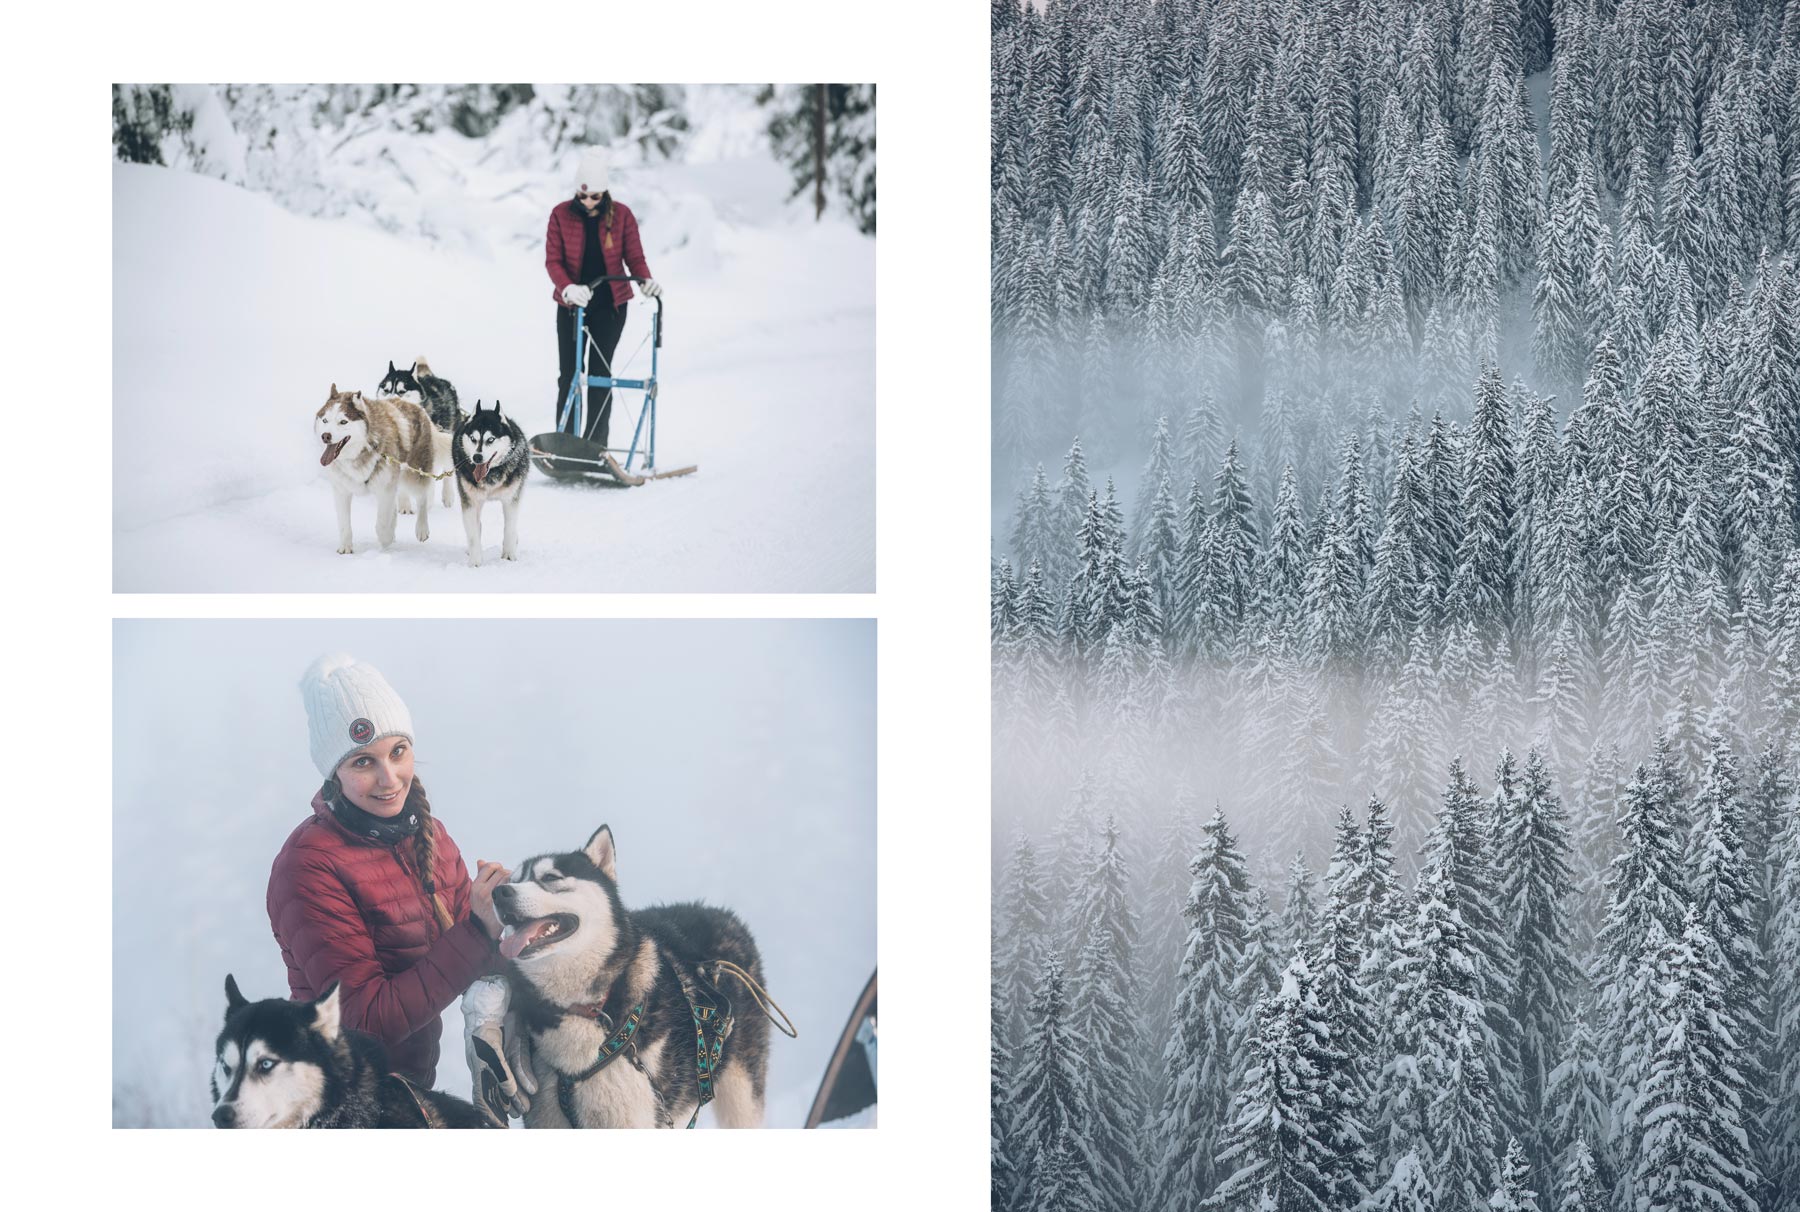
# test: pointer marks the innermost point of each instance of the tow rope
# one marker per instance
(400, 463)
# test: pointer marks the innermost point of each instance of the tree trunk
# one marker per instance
(818, 151)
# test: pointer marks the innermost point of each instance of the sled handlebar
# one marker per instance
(633, 278)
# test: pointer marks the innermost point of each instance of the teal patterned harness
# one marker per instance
(615, 1044)
(712, 1009)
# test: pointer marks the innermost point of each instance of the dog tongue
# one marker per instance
(481, 470)
(515, 939)
(331, 452)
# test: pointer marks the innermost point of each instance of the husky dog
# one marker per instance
(282, 1064)
(588, 976)
(491, 458)
(376, 447)
(437, 396)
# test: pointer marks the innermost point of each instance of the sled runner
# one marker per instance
(565, 455)
(849, 1083)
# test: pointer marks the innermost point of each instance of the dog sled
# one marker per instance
(565, 455)
(848, 1088)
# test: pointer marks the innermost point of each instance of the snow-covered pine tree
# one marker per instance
(1533, 887)
(1002, 1171)
(1023, 939)
(1052, 1092)
(1279, 1138)
(1208, 1024)
(1582, 1188)
(1693, 1142)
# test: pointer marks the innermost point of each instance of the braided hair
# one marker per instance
(424, 842)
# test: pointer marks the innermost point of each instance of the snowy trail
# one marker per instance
(232, 317)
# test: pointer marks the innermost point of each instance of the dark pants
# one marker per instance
(604, 322)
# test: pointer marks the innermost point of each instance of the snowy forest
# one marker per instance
(331, 149)
(1395, 783)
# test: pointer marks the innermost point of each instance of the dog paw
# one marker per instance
(346, 549)
(474, 559)
(421, 530)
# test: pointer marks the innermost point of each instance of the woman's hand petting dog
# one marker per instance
(488, 876)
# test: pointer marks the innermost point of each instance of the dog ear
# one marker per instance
(601, 852)
(334, 389)
(325, 1012)
(390, 366)
(233, 998)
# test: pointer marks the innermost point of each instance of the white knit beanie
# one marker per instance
(591, 173)
(349, 705)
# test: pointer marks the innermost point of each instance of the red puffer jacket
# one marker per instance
(563, 244)
(350, 909)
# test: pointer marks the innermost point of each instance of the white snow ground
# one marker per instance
(735, 762)
(232, 317)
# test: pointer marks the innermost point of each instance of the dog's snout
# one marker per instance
(504, 894)
(222, 1117)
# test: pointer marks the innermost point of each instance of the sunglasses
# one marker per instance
(587, 197)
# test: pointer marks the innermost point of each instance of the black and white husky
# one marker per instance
(491, 458)
(609, 998)
(437, 396)
(282, 1064)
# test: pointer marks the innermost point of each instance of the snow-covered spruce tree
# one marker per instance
(1052, 1091)
(1693, 1148)
(1208, 1023)
(1782, 1118)
(1022, 929)
(1165, 928)
(1299, 927)
(1582, 1189)
(1104, 1000)
(1530, 851)
(1003, 1174)
(1646, 907)
(1102, 1025)
(1461, 846)
(1279, 1138)
(1407, 1188)
(1578, 1102)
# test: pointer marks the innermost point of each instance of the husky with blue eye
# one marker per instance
(612, 999)
(491, 458)
(282, 1064)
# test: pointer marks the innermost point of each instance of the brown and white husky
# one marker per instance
(384, 448)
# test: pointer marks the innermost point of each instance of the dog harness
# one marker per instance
(713, 1021)
(621, 1038)
(711, 1008)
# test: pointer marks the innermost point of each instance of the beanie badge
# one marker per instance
(362, 731)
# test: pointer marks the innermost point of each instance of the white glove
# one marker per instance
(577, 295)
(498, 1051)
(650, 289)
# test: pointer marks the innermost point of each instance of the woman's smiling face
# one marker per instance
(377, 777)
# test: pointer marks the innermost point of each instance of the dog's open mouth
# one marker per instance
(332, 450)
(479, 471)
(534, 934)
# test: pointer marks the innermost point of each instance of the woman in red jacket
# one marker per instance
(591, 236)
(369, 890)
